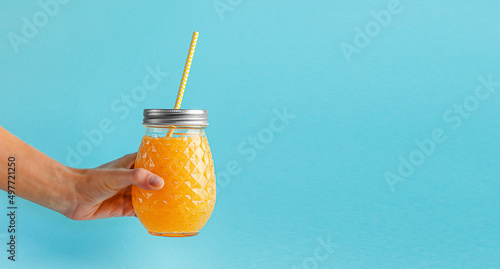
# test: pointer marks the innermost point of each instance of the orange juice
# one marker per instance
(183, 159)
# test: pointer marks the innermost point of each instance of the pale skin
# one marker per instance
(79, 194)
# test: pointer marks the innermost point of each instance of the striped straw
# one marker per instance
(185, 74)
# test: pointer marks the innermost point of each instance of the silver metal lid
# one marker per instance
(157, 117)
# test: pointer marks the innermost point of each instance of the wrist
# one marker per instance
(67, 181)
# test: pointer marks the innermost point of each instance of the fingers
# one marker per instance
(127, 161)
(120, 178)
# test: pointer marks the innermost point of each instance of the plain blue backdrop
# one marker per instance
(320, 180)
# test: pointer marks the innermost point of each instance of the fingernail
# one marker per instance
(155, 181)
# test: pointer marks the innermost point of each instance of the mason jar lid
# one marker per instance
(192, 117)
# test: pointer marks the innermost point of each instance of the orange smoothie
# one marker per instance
(186, 201)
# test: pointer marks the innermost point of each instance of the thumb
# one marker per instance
(117, 179)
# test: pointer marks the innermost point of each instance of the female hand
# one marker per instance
(105, 191)
(79, 194)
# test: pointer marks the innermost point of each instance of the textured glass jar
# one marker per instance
(180, 154)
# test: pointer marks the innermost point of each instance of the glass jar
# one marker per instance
(175, 147)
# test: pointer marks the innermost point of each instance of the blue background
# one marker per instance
(321, 177)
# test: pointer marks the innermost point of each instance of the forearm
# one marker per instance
(39, 178)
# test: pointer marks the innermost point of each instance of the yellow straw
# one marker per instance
(185, 74)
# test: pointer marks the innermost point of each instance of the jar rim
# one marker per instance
(175, 117)
(176, 126)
